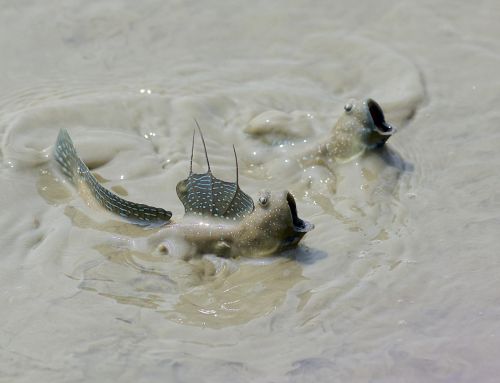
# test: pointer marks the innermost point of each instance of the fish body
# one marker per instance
(275, 217)
(361, 127)
(220, 218)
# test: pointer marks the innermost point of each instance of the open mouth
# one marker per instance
(299, 225)
(382, 127)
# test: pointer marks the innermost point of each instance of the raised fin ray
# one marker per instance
(236, 162)
(204, 145)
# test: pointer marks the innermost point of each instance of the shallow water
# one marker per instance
(398, 281)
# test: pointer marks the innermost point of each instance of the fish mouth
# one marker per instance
(299, 225)
(381, 126)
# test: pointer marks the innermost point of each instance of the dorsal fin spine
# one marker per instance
(204, 145)
(236, 160)
(192, 150)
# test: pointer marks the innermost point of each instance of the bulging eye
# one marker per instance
(263, 200)
(348, 107)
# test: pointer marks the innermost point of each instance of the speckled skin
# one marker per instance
(361, 127)
(272, 227)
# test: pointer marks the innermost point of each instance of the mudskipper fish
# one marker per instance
(220, 218)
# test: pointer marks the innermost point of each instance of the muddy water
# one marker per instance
(399, 280)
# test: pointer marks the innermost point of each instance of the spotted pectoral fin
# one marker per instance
(222, 248)
(76, 170)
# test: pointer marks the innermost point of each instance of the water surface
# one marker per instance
(398, 282)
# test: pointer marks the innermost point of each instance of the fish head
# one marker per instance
(274, 225)
(361, 126)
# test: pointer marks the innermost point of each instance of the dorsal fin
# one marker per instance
(207, 195)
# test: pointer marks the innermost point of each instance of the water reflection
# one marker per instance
(249, 292)
(205, 291)
(208, 291)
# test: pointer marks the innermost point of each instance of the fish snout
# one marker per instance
(299, 225)
(382, 127)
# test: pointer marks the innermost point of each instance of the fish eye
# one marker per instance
(263, 201)
(348, 107)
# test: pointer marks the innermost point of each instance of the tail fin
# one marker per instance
(65, 155)
(75, 169)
